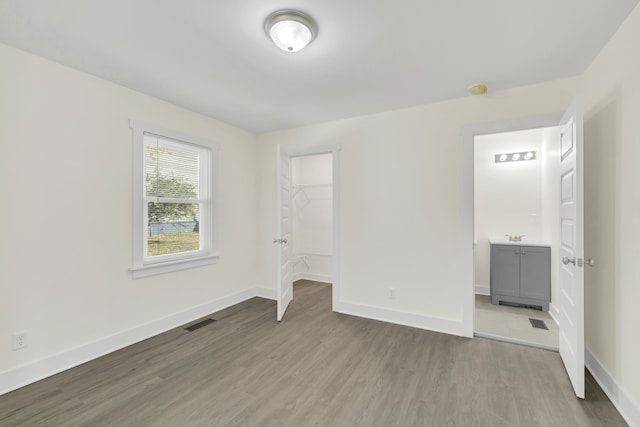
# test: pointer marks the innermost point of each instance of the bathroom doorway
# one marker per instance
(516, 235)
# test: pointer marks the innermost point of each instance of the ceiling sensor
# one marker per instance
(478, 89)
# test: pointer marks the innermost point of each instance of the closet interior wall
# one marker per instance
(312, 227)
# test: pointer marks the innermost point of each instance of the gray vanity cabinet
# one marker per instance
(521, 275)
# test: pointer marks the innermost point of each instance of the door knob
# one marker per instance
(567, 260)
(590, 262)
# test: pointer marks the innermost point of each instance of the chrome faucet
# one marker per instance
(515, 238)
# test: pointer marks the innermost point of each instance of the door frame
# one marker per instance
(468, 134)
(334, 150)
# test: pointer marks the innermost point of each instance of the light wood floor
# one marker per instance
(316, 368)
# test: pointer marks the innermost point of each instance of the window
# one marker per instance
(174, 201)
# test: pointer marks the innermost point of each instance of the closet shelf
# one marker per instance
(304, 254)
(304, 259)
(311, 185)
(299, 189)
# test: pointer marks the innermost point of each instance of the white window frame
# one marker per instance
(144, 265)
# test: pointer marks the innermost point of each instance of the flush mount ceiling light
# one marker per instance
(291, 30)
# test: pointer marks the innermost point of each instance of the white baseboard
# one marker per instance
(266, 293)
(43, 368)
(483, 290)
(554, 312)
(402, 318)
(628, 408)
(515, 341)
(324, 278)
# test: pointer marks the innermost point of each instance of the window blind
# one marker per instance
(173, 196)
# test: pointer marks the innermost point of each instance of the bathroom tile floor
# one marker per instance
(512, 324)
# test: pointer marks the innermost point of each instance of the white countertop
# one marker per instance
(524, 242)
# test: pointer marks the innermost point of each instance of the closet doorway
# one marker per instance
(312, 217)
(308, 223)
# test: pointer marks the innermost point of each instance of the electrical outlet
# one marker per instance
(392, 293)
(20, 341)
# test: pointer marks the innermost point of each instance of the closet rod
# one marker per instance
(312, 185)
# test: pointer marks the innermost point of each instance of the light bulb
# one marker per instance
(515, 157)
(528, 156)
(503, 157)
(290, 36)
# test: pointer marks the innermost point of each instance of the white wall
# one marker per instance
(611, 87)
(65, 181)
(312, 224)
(507, 196)
(401, 202)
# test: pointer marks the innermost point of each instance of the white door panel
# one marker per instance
(283, 232)
(571, 275)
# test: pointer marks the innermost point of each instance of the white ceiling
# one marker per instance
(213, 57)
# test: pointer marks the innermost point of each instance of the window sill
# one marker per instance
(170, 266)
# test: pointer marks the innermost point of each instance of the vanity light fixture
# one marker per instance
(290, 30)
(515, 157)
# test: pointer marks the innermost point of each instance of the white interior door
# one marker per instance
(283, 232)
(571, 275)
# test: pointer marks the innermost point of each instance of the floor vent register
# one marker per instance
(199, 325)
(538, 324)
